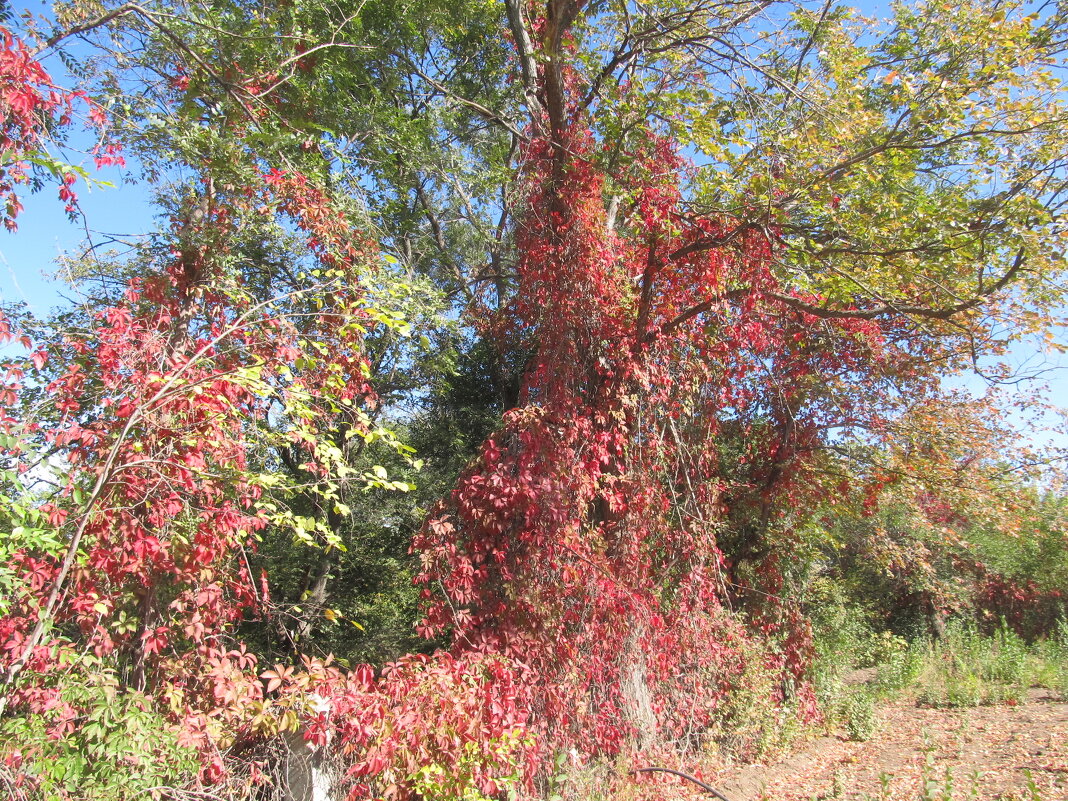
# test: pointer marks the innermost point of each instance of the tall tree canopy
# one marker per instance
(652, 289)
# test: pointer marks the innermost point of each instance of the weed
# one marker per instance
(966, 669)
(901, 670)
(860, 716)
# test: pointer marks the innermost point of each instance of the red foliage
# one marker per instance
(157, 406)
(586, 540)
(30, 104)
(157, 409)
(1021, 604)
(460, 716)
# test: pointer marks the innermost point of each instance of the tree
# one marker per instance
(215, 389)
(682, 361)
(693, 357)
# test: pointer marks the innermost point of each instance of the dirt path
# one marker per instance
(990, 752)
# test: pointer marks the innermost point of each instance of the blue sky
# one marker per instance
(28, 256)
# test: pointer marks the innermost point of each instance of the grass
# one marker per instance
(964, 668)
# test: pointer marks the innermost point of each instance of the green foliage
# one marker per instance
(102, 741)
(962, 669)
(1053, 655)
(845, 635)
(859, 715)
(892, 151)
(966, 668)
(856, 666)
(457, 782)
(356, 601)
(902, 670)
(23, 527)
(753, 720)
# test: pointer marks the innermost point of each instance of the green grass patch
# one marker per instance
(966, 668)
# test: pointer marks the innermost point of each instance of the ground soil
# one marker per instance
(992, 753)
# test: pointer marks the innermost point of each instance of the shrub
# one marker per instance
(97, 741)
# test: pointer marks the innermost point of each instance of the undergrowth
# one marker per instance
(966, 668)
(963, 668)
